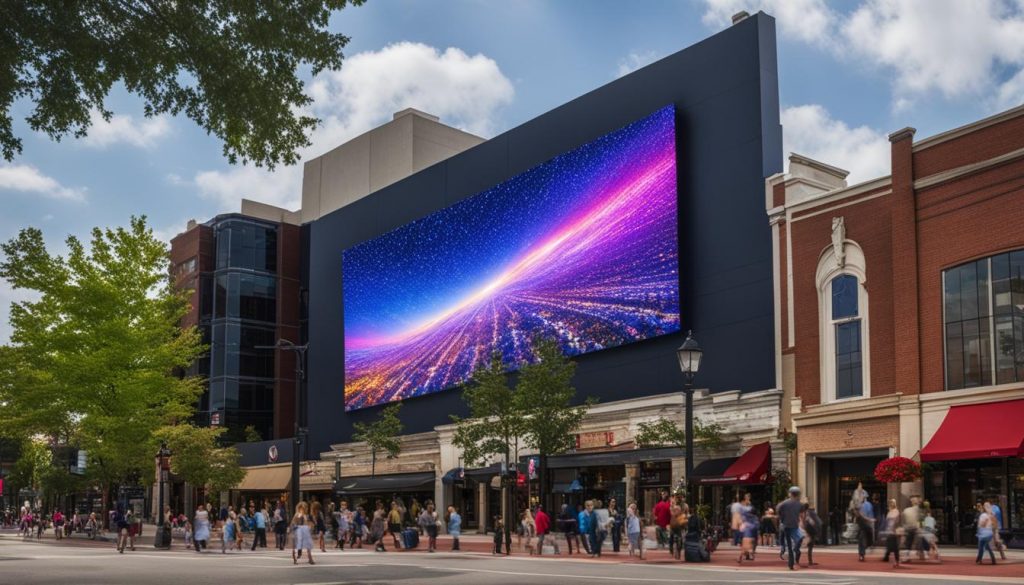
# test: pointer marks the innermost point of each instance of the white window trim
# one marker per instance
(828, 269)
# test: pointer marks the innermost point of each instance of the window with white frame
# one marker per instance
(843, 317)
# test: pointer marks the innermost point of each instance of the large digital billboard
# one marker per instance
(582, 248)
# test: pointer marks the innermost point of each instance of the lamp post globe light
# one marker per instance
(689, 354)
(162, 538)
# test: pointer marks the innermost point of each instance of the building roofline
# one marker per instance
(969, 128)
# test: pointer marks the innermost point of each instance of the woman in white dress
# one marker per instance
(301, 537)
(201, 532)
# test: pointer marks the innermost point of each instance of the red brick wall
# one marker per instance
(871, 433)
(867, 223)
(908, 238)
(972, 217)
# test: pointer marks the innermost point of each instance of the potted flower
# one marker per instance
(898, 470)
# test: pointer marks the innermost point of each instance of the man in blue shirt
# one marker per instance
(998, 513)
(586, 526)
(789, 516)
(260, 523)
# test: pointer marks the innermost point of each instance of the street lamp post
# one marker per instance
(689, 354)
(300, 360)
(162, 539)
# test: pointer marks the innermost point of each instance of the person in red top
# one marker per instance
(662, 516)
(543, 524)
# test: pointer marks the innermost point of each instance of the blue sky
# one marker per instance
(850, 73)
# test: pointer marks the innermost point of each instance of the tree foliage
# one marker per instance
(229, 66)
(94, 356)
(496, 420)
(382, 434)
(665, 432)
(545, 393)
(198, 458)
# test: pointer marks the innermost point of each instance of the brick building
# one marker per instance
(900, 322)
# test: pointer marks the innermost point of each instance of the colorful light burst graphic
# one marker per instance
(582, 248)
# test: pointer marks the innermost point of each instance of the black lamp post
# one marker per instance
(689, 354)
(162, 539)
(300, 360)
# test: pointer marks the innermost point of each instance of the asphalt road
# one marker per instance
(31, 563)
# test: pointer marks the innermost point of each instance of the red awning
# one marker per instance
(979, 431)
(752, 467)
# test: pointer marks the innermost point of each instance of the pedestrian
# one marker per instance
(601, 525)
(617, 525)
(58, 524)
(567, 523)
(415, 509)
(748, 523)
(544, 533)
(768, 529)
(227, 533)
(527, 530)
(810, 522)
(280, 520)
(454, 526)
(499, 529)
(395, 524)
(864, 516)
(201, 528)
(891, 532)
(301, 537)
(259, 538)
(986, 532)
(318, 525)
(585, 520)
(358, 527)
(427, 523)
(912, 527)
(122, 522)
(662, 514)
(929, 532)
(378, 528)
(344, 522)
(633, 531)
(997, 527)
(789, 515)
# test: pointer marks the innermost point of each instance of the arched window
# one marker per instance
(846, 326)
(843, 317)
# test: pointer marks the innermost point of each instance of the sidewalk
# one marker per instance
(956, 561)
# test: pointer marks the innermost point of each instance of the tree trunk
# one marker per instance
(545, 496)
(373, 463)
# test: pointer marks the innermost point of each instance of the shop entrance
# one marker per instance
(837, 479)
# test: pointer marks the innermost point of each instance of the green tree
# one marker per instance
(664, 432)
(252, 435)
(198, 458)
(496, 419)
(229, 66)
(94, 356)
(381, 435)
(544, 393)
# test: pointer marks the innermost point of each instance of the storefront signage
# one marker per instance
(655, 476)
(272, 454)
(595, 440)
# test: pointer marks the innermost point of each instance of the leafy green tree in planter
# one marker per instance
(198, 457)
(381, 435)
(94, 355)
(232, 67)
(665, 432)
(544, 392)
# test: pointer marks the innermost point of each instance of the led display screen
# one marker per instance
(582, 248)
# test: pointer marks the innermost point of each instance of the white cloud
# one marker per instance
(811, 131)
(121, 128)
(957, 48)
(465, 91)
(804, 20)
(29, 179)
(634, 61)
(1011, 92)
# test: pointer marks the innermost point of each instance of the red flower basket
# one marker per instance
(898, 469)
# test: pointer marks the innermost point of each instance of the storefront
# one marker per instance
(722, 481)
(263, 484)
(365, 491)
(977, 455)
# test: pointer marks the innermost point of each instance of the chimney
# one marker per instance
(739, 16)
(191, 224)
